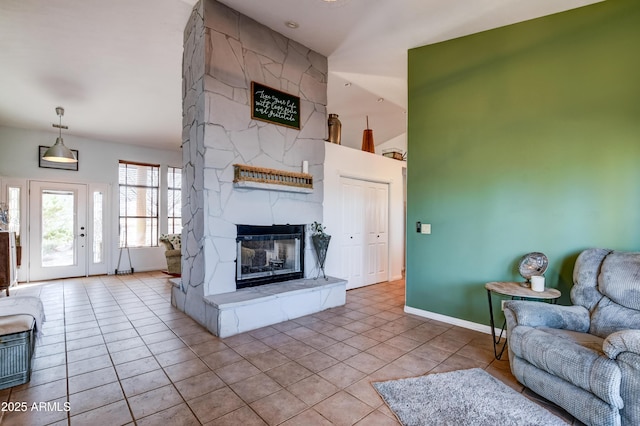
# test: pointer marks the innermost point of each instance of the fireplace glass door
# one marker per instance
(268, 257)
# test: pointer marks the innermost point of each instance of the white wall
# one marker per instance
(348, 162)
(98, 163)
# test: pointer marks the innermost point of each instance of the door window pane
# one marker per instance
(57, 228)
(98, 244)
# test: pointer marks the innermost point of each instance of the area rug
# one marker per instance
(463, 397)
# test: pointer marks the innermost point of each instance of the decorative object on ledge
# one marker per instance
(394, 153)
(335, 129)
(263, 178)
(367, 139)
(273, 106)
(320, 241)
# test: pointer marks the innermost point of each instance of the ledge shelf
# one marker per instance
(271, 179)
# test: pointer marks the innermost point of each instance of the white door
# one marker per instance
(364, 240)
(376, 225)
(57, 230)
(352, 234)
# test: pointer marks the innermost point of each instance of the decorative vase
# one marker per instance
(335, 129)
(321, 244)
(367, 139)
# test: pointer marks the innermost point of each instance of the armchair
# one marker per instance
(585, 357)
(173, 253)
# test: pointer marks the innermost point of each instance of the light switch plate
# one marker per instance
(425, 228)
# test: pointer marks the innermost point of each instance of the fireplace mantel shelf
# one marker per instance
(252, 177)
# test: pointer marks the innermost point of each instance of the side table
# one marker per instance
(517, 291)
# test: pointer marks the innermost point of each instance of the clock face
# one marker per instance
(531, 264)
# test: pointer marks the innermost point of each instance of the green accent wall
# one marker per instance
(523, 138)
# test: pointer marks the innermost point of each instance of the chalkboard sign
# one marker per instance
(274, 106)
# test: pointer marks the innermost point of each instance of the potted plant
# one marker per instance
(320, 241)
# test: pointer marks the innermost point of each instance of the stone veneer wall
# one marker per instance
(223, 52)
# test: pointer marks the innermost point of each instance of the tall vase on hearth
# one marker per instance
(320, 241)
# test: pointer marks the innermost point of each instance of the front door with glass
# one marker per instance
(58, 230)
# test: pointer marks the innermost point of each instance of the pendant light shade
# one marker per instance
(59, 153)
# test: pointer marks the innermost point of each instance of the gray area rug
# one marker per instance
(463, 397)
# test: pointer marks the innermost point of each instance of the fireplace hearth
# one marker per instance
(268, 254)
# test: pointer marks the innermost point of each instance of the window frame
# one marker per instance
(123, 231)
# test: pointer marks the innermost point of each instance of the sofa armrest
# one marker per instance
(622, 341)
(541, 314)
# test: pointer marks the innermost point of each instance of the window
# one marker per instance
(174, 200)
(139, 189)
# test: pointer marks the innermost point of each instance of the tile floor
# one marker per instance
(115, 349)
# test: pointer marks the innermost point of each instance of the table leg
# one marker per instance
(493, 331)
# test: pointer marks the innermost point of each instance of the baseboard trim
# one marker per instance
(449, 320)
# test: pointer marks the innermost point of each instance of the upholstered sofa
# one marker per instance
(173, 252)
(585, 357)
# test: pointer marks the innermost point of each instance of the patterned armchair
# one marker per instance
(173, 252)
(585, 357)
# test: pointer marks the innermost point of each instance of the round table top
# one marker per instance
(521, 289)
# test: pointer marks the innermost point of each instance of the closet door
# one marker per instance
(352, 233)
(377, 249)
(364, 238)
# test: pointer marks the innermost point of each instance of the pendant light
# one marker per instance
(59, 153)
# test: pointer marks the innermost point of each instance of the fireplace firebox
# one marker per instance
(268, 254)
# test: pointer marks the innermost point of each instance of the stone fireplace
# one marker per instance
(224, 51)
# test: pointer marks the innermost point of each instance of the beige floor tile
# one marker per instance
(94, 398)
(341, 375)
(92, 379)
(216, 404)
(295, 350)
(178, 356)
(133, 368)
(365, 362)
(317, 361)
(365, 392)
(340, 351)
(131, 354)
(278, 407)
(289, 373)
(144, 382)
(255, 387)
(117, 413)
(268, 360)
(244, 416)
(148, 403)
(307, 418)
(192, 367)
(376, 418)
(199, 385)
(207, 347)
(221, 358)
(343, 409)
(240, 370)
(312, 389)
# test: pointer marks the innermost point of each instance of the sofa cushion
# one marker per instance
(609, 317)
(573, 356)
(619, 279)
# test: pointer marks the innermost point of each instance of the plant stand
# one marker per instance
(321, 244)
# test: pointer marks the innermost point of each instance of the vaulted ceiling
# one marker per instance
(115, 65)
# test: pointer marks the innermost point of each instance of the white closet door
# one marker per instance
(352, 236)
(365, 240)
(377, 228)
